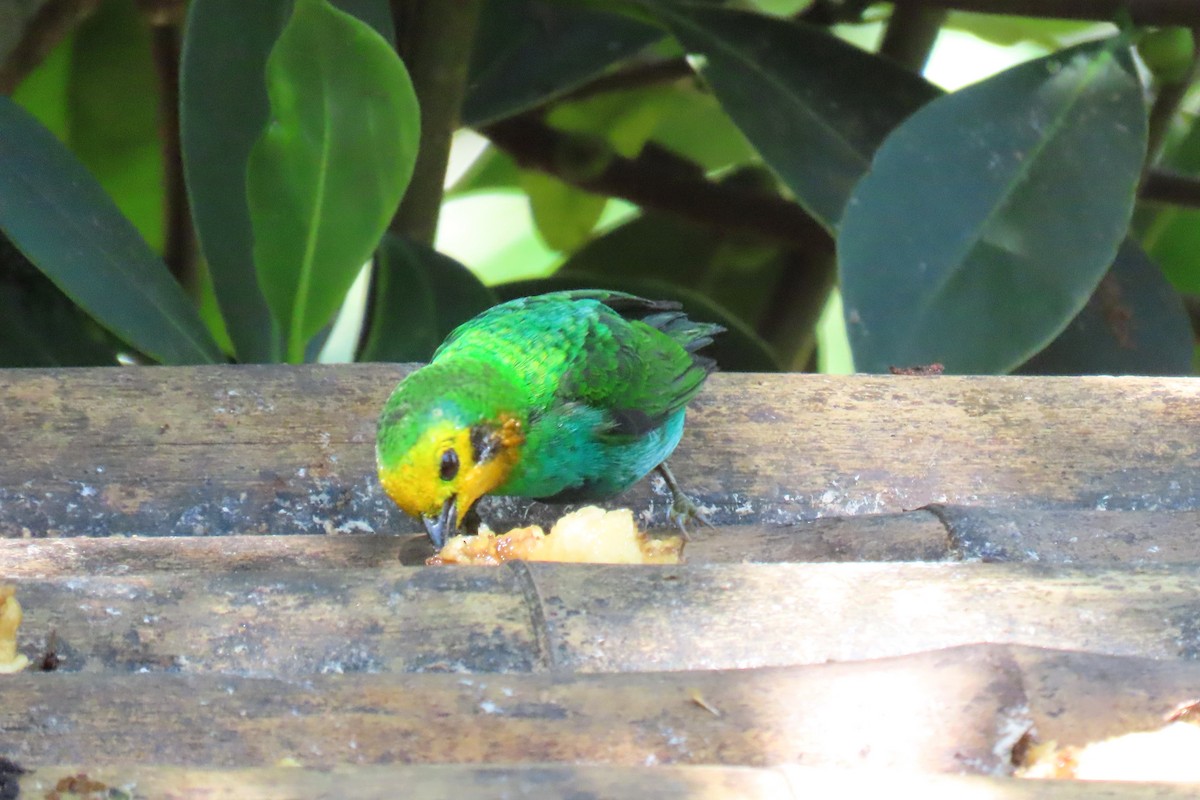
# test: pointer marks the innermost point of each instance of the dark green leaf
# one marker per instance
(529, 51)
(420, 297)
(224, 108)
(40, 326)
(56, 214)
(738, 349)
(737, 269)
(989, 216)
(1134, 324)
(325, 178)
(814, 106)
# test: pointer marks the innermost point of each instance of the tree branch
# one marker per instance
(53, 21)
(179, 242)
(1143, 12)
(1162, 186)
(434, 38)
(660, 180)
(911, 33)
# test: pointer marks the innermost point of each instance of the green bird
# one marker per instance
(562, 397)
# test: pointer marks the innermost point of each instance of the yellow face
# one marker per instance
(441, 467)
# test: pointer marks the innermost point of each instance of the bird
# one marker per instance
(571, 396)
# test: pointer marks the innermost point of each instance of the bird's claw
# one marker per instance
(683, 509)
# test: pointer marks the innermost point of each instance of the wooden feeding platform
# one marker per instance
(913, 583)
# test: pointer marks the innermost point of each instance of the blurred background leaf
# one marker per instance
(223, 109)
(64, 223)
(529, 51)
(964, 245)
(327, 174)
(815, 107)
(1134, 323)
(705, 150)
(422, 296)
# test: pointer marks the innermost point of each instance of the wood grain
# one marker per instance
(573, 782)
(763, 717)
(939, 533)
(264, 449)
(961, 710)
(588, 618)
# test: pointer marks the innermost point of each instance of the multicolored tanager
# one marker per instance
(564, 397)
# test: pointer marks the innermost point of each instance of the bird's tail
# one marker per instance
(691, 335)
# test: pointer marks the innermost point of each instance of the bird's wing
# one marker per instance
(632, 358)
(637, 364)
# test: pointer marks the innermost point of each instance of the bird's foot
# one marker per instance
(684, 510)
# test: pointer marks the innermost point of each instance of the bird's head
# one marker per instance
(443, 443)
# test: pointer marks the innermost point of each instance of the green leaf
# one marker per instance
(223, 110)
(40, 326)
(1171, 234)
(989, 217)
(326, 176)
(56, 214)
(738, 349)
(529, 51)
(1008, 30)
(97, 92)
(1134, 324)
(420, 296)
(114, 130)
(739, 270)
(564, 214)
(814, 106)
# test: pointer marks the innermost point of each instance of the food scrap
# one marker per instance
(10, 622)
(1170, 754)
(589, 535)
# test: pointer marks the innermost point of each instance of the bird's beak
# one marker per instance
(439, 527)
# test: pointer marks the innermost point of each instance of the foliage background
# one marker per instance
(171, 196)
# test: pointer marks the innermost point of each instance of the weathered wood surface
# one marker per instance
(940, 533)
(219, 450)
(591, 618)
(564, 782)
(808, 715)
(955, 711)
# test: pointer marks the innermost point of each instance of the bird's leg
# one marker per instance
(683, 508)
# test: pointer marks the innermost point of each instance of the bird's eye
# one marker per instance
(449, 466)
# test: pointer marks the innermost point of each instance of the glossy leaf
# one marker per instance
(64, 223)
(738, 349)
(1134, 324)
(327, 174)
(529, 51)
(989, 217)
(420, 296)
(815, 107)
(223, 109)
